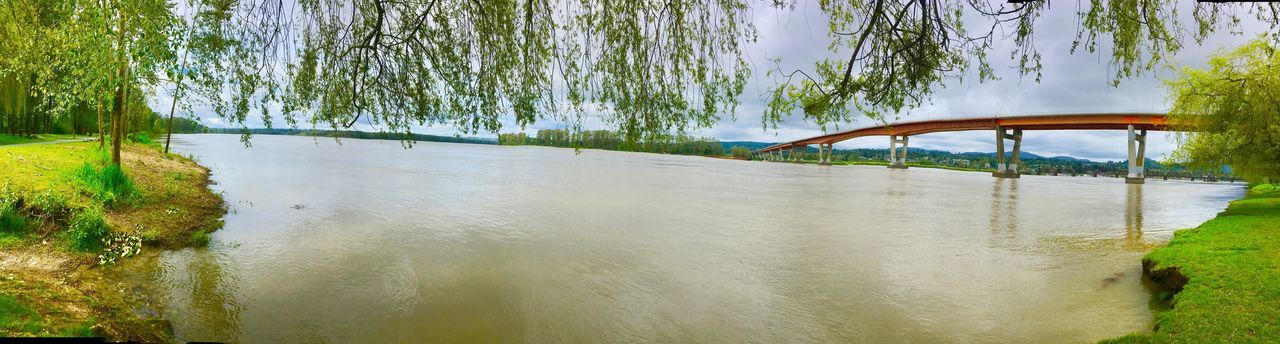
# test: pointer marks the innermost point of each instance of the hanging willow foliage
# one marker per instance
(897, 52)
(648, 68)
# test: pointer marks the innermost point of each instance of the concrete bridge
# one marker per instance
(1005, 128)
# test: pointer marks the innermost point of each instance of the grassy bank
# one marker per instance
(1224, 276)
(14, 139)
(65, 215)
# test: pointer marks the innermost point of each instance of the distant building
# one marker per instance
(959, 162)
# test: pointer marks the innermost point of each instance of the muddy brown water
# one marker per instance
(366, 241)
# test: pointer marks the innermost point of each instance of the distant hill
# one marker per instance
(1026, 156)
(752, 145)
(352, 134)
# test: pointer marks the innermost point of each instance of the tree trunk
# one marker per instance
(124, 114)
(102, 141)
(48, 113)
(177, 89)
(169, 137)
(117, 118)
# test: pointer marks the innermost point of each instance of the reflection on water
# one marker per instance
(210, 295)
(1133, 215)
(1004, 214)
(450, 242)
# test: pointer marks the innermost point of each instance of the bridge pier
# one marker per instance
(1137, 156)
(1007, 169)
(824, 154)
(896, 160)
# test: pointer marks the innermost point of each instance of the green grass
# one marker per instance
(14, 139)
(35, 169)
(1232, 263)
(82, 330)
(14, 317)
(108, 184)
(13, 223)
(11, 220)
(200, 239)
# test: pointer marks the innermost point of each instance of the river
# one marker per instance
(366, 241)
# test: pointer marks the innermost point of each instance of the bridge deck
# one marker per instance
(1105, 121)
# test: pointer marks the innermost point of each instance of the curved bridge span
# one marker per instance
(1005, 128)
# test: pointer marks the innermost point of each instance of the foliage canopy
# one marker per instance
(898, 52)
(650, 70)
(1231, 111)
(646, 67)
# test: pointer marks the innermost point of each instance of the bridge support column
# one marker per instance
(1007, 169)
(1137, 156)
(897, 160)
(824, 154)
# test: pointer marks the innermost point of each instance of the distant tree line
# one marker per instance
(352, 134)
(614, 140)
(27, 111)
(1029, 163)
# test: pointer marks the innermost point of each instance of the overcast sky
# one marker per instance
(1071, 84)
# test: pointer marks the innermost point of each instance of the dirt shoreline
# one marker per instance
(71, 293)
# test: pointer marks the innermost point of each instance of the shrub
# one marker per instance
(87, 229)
(49, 204)
(1260, 188)
(143, 137)
(200, 239)
(108, 185)
(10, 219)
(13, 221)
